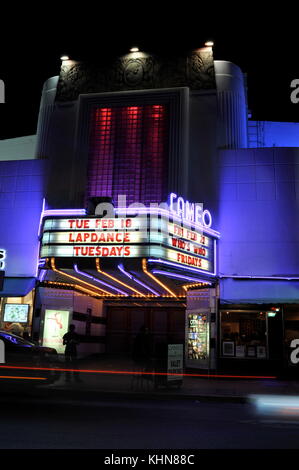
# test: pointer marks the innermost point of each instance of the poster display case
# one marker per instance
(197, 339)
(56, 324)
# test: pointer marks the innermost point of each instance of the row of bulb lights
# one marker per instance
(64, 58)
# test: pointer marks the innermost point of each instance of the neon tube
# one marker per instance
(129, 275)
(144, 268)
(42, 275)
(99, 281)
(41, 217)
(67, 212)
(278, 278)
(180, 266)
(180, 276)
(116, 280)
(39, 234)
(75, 278)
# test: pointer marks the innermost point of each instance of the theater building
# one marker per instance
(153, 207)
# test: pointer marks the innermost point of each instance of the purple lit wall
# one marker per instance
(21, 197)
(259, 212)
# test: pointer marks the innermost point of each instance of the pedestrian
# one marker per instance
(71, 340)
(143, 349)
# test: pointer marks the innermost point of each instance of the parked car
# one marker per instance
(26, 361)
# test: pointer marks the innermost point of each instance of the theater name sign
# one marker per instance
(149, 234)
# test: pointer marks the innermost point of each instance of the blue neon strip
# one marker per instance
(100, 282)
(180, 276)
(278, 278)
(42, 275)
(130, 276)
(67, 212)
(180, 266)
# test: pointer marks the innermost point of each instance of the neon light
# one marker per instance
(281, 278)
(180, 276)
(99, 281)
(97, 371)
(74, 287)
(188, 211)
(172, 197)
(129, 275)
(204, 214)
(144, 268)
(180, 266)
(42, 275)
(69, 212)
(115, 279)
(215, 257)
(41, 217)
(75, 278)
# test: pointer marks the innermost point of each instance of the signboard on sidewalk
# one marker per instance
(175, 361)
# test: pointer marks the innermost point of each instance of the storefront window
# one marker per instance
(16, 314)
(243, 334)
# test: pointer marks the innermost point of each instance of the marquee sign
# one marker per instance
(141, 236)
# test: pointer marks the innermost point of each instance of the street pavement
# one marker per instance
(115, 375)
(124, 423)
(113, 407)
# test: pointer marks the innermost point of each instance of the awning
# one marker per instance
(17, 286)
(261, 291)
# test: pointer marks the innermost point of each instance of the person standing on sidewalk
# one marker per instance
(71, 340)
(143, 349)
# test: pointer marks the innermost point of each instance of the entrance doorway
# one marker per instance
(166, 324)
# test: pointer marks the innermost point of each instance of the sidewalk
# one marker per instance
(117, 377)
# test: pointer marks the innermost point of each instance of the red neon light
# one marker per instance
(121, 372)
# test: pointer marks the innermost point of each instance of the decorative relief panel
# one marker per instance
(137, 71)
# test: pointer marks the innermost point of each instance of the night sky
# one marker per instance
(265, 47)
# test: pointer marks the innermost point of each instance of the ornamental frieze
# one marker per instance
(137, 71)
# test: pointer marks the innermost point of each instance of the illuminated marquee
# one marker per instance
(141, 236)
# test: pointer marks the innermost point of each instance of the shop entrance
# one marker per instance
(166, 324)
